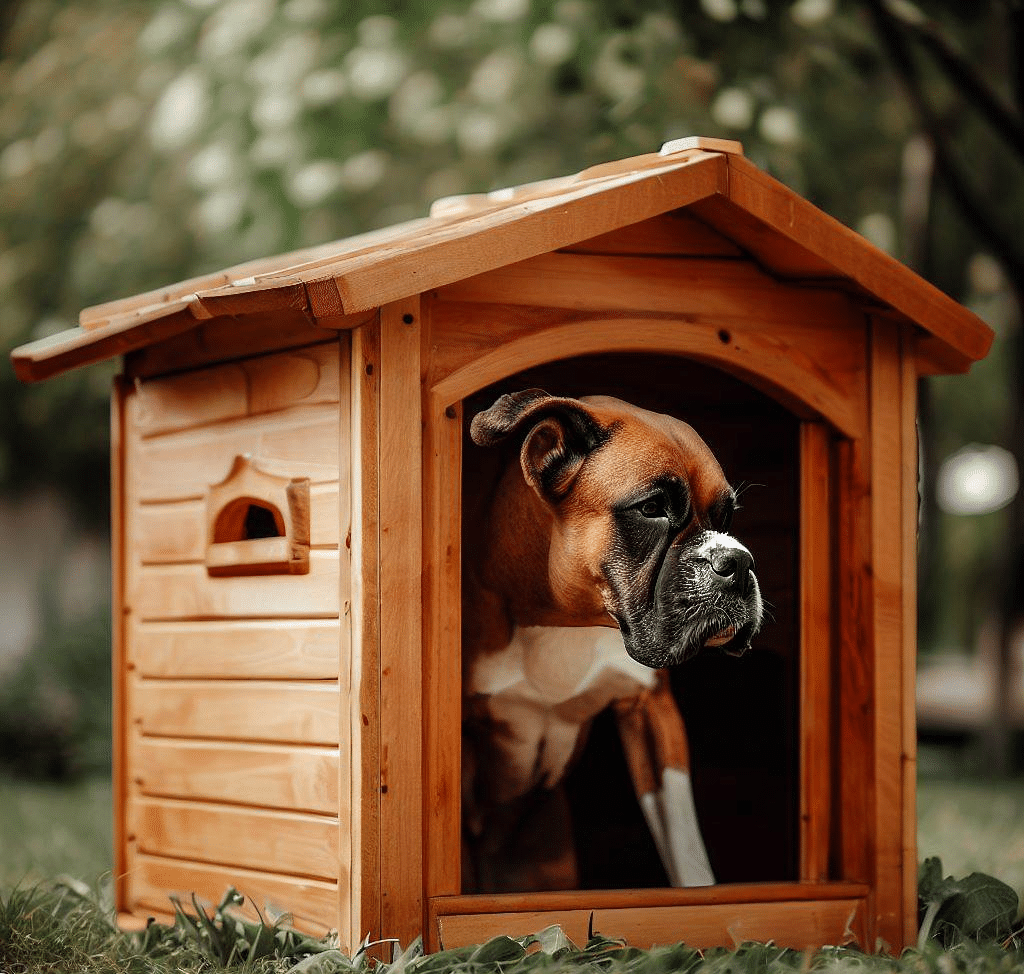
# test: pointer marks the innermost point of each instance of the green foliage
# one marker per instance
(978, 907)
(65, 926)
(56, 928)
(226, 939)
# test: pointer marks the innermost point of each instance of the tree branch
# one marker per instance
(1000, 116)
(970, 204)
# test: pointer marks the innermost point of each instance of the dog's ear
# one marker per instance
(557, 432)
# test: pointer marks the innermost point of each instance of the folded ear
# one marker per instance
(557, 435)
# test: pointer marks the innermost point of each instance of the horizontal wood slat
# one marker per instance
(252, 386)
(227, 339)
(187, 592)
(301, 779)
(313, 904)
(289, 842)
(672, 234)
(788, 924)
(238, 710)
(711, 288)
(176, 531)
(284, 649)
(301, 441)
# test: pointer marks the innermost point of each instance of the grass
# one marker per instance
(974, 826)
(49, 830)
(52, 830)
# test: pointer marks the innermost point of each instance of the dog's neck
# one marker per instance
(506, 555)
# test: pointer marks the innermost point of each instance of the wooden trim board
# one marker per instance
(791, 914)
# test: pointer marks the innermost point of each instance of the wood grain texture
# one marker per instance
(239, 710)
(442, 668)
(232, 649)
(855, 814)
(247, 387)
(221, 340)
(121, 645)
(175, 531)
(302, 779)
(237, 837)
(685, 287)
(312, 903)
(816, 671)
(364, 619)
(297, 442)
(675, 234)
(798, 924)
(346, 720)
(401, 607)
(165, 592)
(889, 571)
(910, 501)
(817, 374)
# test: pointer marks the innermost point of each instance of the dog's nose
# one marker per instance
(732, 566)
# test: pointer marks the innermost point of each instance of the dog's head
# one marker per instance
(641, 514)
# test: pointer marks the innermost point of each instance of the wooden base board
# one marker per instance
(798, 915)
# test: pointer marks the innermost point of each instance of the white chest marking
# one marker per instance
(555, 664)
(543, 688)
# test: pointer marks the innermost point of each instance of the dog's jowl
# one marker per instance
(599, 555)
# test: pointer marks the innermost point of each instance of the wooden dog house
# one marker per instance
(288, 447)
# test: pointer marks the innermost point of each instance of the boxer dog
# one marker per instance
(600, 555)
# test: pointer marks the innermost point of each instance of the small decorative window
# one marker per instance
(257, 523)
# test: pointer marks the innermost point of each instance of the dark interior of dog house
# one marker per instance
(741, 713)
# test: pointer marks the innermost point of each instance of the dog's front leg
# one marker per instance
(658, 755)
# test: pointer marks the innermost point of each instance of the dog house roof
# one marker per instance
(463, 236)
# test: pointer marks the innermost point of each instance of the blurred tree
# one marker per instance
(979, 170)
(143, 143)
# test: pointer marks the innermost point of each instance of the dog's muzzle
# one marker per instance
(706, 596)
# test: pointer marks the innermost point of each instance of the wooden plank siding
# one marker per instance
(233, 770)
(795, 915)
(297, 843)
(799, 925)
(312, 903)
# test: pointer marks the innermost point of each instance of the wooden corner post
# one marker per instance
(401, 544)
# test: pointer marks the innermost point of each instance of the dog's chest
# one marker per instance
(546, 685)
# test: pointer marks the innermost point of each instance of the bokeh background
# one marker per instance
(145, 142)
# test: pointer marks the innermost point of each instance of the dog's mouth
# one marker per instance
(721, 638)
(734, 640)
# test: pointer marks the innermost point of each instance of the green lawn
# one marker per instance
(47, 830)
(973, 826)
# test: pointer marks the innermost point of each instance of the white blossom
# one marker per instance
(780, 125)
(180, 113)
(552, 44)
(721, 10)
(314, 182)
(733, 108)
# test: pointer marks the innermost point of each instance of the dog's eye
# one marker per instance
(721, 515)
(653, 507)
